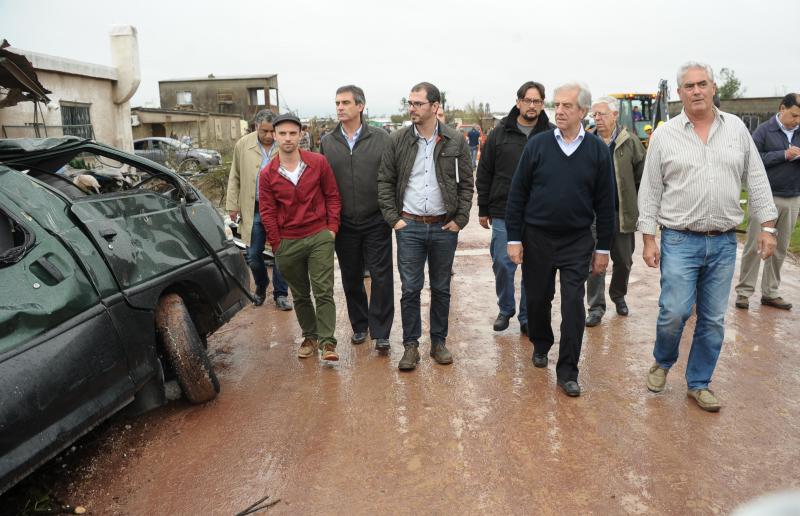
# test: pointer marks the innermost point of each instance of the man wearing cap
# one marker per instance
(250, 155)
(300, 206)
(425, 194)
(354, 150)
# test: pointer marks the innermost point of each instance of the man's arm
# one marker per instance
(387, 185)
(762, 206)
(518, 195)
(769, 158)
(650, 192)
(333, 202)
(604, 201)
(268, 209)
(484, 176)
(465, 187)
(639, 154)
(234, 179)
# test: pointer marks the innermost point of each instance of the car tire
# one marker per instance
(189, 166)
(185, 351)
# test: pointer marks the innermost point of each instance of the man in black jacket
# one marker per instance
(499, 159)
(354, 150)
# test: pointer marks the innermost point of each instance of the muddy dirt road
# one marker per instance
(489, 434)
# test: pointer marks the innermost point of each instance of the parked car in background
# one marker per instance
(113, 272)
(176, 155)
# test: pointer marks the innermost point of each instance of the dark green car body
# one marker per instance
(80, 278)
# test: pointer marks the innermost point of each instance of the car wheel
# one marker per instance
(189, 166)
(184, 348)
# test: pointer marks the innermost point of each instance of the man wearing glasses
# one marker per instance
(627, 158)
(499, 159)
(696, 165)
(425, 189)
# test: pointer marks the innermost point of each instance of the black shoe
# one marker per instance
(570, 387)
(410, 357)
(539, 359)
(382, 344)
(501, 323)
(523, 328)
(260, 295)
(622, 307)
(441, 354)
(358, 337)
(593, 320)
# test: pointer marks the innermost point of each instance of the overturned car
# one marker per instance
(113, 271)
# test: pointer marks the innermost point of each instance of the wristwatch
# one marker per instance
(771, 231)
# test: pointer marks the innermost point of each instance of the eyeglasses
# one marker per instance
(600, 115)
(415, 104)
(532, 102)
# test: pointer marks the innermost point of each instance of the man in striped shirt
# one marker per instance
(694, 170)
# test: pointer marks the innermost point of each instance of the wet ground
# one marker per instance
(489, 434)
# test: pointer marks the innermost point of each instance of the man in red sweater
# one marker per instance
(299, 203)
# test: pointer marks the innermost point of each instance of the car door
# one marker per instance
(62, 367)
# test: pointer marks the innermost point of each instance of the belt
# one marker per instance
(425, 219)
(706, 233)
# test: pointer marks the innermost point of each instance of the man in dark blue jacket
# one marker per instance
(474, 140)
(778, 142)
(564, 181)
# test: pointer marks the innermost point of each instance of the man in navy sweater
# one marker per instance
(563, 181)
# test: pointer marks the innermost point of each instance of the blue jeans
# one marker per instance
(695, 269)
(504, 271)
(473, 152)
(255, 259)
(416, 244)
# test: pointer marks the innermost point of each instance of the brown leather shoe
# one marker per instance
(307, 348)
(441, 354)
(776, 302)
(705, 399)
(410, 357)
(329, 352)
(742, 302)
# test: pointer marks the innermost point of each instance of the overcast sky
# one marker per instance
(481, 51)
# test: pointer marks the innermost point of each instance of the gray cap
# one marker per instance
(286, 117)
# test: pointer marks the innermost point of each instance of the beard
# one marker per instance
(530, 118)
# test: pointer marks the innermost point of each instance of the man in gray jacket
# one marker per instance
(354, 150)
(425, 190)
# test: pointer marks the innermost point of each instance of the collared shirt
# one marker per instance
(688, 184)
(422, 195)
(293, 175)
(571, 147)
(352, 143)
(266, 156)
(788, 132)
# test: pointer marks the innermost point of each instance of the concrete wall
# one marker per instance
(211, 131)
(204, 95)
(105, 89)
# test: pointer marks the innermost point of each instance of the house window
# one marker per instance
(76, 121)
(184, 98)
(224, 97)
(257, 97)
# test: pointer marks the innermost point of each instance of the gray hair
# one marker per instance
(358, 93)
(584, 95)
(265, 115)
(690, 65)
(613, 104)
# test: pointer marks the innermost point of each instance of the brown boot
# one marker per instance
(307, 348)
(441, 354)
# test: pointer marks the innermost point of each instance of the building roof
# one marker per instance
(221, 78)
(68, 66)
(161, 111)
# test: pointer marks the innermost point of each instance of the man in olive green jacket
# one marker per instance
(425, 187)
(627, 155)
